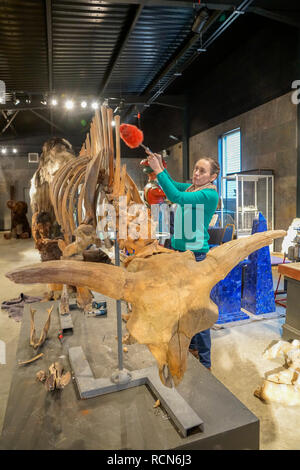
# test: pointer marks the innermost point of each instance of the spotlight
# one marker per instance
(83, 104)
(44, 102)
(53, 102)
(113, 123)
(15, 150)
(69, 104)
(95, 105)
(200, 21)
(3, 151)
(16, 100)
(28, 99)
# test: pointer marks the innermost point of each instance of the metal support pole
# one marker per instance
(272, 180)
(119, 313)
(50, 54)
(242, 203)
(237, 205)
(222, 211)
(267, 202)
(185, 144)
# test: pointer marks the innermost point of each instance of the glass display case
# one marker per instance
(243, 196)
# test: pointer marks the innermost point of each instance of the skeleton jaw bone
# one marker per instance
(169, 293)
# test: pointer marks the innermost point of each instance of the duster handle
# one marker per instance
(146, 148)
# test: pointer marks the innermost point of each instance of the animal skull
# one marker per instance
(169, 293)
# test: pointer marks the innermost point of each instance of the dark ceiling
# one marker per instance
(133, 53)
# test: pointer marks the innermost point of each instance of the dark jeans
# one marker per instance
(201, 342)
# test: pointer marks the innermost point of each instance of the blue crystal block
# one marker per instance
(227, 295)
(258, 292)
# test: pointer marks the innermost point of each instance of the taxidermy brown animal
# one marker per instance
(19, 224)
(169, 293)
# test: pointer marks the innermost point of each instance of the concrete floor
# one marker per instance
(236, 354)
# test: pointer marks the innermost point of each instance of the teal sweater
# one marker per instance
(193, 214)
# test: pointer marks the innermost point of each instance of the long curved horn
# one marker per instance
(221, 260)
(113, 281)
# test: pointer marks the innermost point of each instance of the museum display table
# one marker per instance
(291, 327)
(38, 419)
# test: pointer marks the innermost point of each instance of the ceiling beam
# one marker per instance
(180, 53)
(50, 53)
(163, 3)
(125, 35)
(231, 18)
(112, 98)
(274, 16)
(23, 107)
(175, 100)
(49, 43)
(236, 12)
(9, 122)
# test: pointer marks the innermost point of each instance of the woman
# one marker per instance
(198, 203)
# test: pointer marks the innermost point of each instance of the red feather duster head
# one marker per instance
(132, 135)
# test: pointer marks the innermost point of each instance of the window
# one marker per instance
(230, 159)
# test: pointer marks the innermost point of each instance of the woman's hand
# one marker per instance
(155, 161)
(159, 158)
